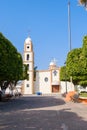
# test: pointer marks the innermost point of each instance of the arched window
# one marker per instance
(27, 56)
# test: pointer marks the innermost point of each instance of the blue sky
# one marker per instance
(46, 21)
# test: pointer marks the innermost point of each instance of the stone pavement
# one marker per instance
(48, 112)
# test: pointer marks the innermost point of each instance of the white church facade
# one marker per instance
(46, 81)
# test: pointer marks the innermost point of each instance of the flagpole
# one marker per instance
(69, 27)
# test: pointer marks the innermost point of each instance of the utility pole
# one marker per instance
(69, 27)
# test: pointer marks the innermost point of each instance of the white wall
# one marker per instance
(41, 85)
(27, 90)
(70, 86)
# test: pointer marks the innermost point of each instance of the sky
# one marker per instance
(46, 22)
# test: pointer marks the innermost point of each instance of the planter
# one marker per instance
(83, 99)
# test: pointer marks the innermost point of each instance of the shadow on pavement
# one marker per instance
(43, 120)
(30, 103)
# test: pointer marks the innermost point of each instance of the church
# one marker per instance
(46, 81)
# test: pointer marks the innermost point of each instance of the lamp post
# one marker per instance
(69, 27)
(65, 78)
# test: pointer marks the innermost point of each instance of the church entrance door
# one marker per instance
(55, 88)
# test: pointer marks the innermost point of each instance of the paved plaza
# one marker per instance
(48, 112)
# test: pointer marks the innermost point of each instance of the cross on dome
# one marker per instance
(29, 33)
(54, 61)
(28, 39)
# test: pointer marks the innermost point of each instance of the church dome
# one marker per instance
(52, 63)
(28, 40)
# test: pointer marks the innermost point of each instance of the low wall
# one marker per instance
(69, 86)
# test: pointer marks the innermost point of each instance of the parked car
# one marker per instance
(82, 89)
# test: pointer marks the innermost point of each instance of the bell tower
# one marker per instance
(28, 59)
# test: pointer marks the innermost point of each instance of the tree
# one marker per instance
(76, 64)
(35, 68)
(63, 74)
(11, 64)
(84, 3)
(84, 62)
(25, 74)
(73, 65)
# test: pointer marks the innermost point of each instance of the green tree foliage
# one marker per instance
(63, 74)
(35, 68)
(73, 64)
(84, 47)
(83, 2)
(25, 74)
(11, 64)
(76, 65)
(84, 62)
